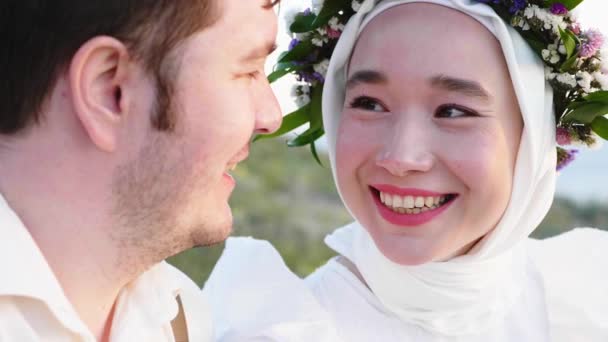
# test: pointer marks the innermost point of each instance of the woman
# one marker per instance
(440, 127)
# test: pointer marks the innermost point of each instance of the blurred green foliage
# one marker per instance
(285, 197)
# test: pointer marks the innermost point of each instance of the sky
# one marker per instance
(584, 180)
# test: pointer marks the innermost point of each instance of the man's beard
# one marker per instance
(150, 195)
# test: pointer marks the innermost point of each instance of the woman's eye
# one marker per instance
(453, 111)
(367, 103)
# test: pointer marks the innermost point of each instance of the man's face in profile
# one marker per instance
(177, 188)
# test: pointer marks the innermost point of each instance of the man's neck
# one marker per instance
(67, 217)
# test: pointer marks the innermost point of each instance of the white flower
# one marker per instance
(584, 80)
(321, 37)
(597, 142)
(562, 50)
(550, 21)
(602, 79)
(567, 79)
(604, 58)
(550, 55)
(335, 25)
(317, 41)
(549, 74)
(530, 11)
(322, 67)
(301, 94)
(356, 5)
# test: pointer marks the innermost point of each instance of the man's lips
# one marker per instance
(241, 156)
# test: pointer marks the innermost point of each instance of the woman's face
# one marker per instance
(429, 133)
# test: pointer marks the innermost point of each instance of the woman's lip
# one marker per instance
(395, 190)
(408, 220)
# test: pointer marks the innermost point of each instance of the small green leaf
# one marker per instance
(598, 96)
(577, 104)
(303, 23)
(569, 63)
(298, 53)
(316, 101)
(306, 138)
(290, 122)
(570, 4)
(587, 112)
(280, 72)
(330, 9)
(569, 41)
(313, 149)
(600, 126)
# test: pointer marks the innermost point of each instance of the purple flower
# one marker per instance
(517, 6)
(565, 157)
(563, 136)
(318, 77)
(294, 42)
(592, 42)
(311, 77)
(559, 9)
(575, 28)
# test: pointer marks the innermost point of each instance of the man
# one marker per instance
(119, 121)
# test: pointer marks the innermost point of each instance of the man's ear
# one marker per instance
(97, 77)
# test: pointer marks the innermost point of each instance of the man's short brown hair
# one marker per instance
(40, 37)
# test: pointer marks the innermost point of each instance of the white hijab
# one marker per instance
(467, 294)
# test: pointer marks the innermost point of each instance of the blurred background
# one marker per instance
(285, 197)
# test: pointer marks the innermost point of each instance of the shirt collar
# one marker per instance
(24, 268)
(25, 271)
(147, 301)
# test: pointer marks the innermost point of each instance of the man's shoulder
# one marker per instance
(28, 319)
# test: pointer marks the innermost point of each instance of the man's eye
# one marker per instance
(454, 111)
(367, 103)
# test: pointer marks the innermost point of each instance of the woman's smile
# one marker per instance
(409, 207)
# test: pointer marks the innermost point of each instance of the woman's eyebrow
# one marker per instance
(366, 77)
(466, 87)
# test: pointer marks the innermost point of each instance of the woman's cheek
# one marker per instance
(471, 158)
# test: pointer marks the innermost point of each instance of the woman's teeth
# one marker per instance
(411, 204)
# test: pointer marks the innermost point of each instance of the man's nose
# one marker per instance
(268, 112)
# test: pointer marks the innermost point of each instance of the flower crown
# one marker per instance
(574, 66)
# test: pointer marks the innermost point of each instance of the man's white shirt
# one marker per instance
(33, 307)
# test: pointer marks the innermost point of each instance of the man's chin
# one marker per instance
(206, 237)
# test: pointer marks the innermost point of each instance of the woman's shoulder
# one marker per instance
(573, 268)
(253, 295)
(583, 248)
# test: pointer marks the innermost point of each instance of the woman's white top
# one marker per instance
(255, 297)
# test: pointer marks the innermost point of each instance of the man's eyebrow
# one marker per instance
(459, 85)
(366, 77)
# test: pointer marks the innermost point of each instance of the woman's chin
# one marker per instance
(407, 252)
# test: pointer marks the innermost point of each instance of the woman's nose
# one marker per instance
(408, 150)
